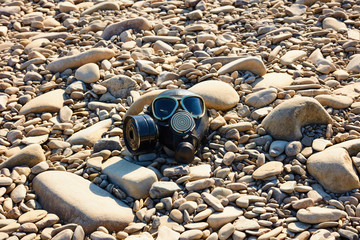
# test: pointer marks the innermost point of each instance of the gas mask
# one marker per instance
(176, 118)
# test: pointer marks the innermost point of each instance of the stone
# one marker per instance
(217, 94)
(295, 10)
(10, 10)
(273, 233)
(286, 120)
(348, 234)
(277, 80)
(334, 170)
(49, 102)
(341, 75)
(292, 56)
(64, 235)
(66, 7)
(199, 184)
(314, 215)
(212, 201)
(135, 180)
(136, 24)
(226, 231)
(269, 169)
(334, 101)
(277, 148)
(165, 233)
(297, 227)
(100, 235)
(320, 144)
(163, 189)
(293, 148)
(90, 135)
(111, 143)
(18, 194)
(218, 219)
(74, 61)
(32, 216)
(288, 187)
(107, 5)
(191, 235)
(120, 86)
(261, 98)
(243, 224)
(334, 24)
(30, 156)
(77, 200)
(88, 73)
(252, 64)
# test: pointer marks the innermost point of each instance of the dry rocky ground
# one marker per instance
(279, 78)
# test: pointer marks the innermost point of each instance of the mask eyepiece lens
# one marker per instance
(194, 105)
(164, 107)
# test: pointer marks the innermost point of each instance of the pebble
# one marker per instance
(269, 169)
(333, 23)
(252, 64)
(261, 98)
(292, 56)
(218, 219)
(117, 28)
(88, 73)
(313, 215)
(334, 101)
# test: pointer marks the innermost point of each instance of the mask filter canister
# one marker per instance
(141, 133)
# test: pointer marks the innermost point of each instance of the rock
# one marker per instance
(75, 199)
(273, 233)
(243, 224)
(91, 56)
(30, 156)
(64, 235)
(18, 194)
(136, 24)
(139, 104)
(334, 24)
(89, 136)
(348, 234)
(314, 215)
(286, 120)
(226, 231)
(292, 56)
(99, 235)
(334, 101)
(277, 80)
(49, 102)
(112, 143)
(212, 202)
(120, 86)
(277, 148)
(163, 189)
(295, 10)
(135, 180)
(3, 31)
(269, 169)
(217, 94)
(293, 148)
(165, 233)
(66, 7)
(334, 170)
(296, 227)
(252, 64)
(354, 64)
(288, 187)
(10, 10)
(261, 98)
(341, 75)
(88, 73)
(320, 144)
(219, 219)
(108, 5)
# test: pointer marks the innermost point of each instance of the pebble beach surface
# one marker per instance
(280, 80)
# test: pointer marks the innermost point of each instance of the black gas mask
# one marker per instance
(176, 118)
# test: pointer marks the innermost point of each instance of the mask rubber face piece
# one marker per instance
(140, 134)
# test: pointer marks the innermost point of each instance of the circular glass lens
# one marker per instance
(193, 105)
(164, 107)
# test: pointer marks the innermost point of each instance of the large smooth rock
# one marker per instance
(333, 168)
(136, 24)
(252, 64)
(334, 101)
(277, 80)
(286, 120)
(89, 136)
(77, 200)
(217, 94)
(30, 156)
(314, 215)
(135, 180)
(261, 98)
(49, 102)
(91, 56)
